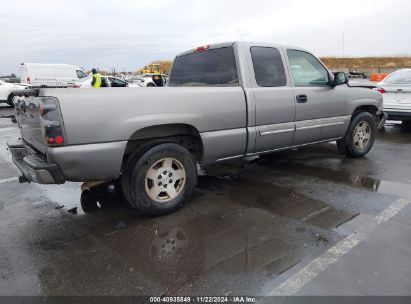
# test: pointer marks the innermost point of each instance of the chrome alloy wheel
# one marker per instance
(362, 135)
(165, 180)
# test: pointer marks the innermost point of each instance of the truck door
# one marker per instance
(274, 100)
(321, 111)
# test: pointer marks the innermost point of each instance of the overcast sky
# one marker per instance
(130, 33)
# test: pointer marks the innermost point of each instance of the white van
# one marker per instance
(50, 75)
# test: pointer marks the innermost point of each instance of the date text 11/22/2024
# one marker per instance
(203, 299)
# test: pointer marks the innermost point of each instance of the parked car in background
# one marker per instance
(49, 75)
(135, 79)
(149, 80)
(6, 92)
(106, 81)
(11, 79)
(356, 74)
(396, 89)
(153, 80)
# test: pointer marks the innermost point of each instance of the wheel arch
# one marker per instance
(9, 96)
(9, 99)
(372, 109)
(183, 134)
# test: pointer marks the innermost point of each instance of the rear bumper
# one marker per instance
(398, 115)
(34, 166)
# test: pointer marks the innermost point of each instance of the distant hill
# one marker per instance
(334, 62)
(366, 62)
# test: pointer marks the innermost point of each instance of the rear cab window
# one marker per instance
(214, 67)
(268, 67)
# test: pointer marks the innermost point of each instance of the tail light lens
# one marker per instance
(202, 48)
(28, 80)
(381, 90)
(51, 122)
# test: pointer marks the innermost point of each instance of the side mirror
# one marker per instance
(339, 79)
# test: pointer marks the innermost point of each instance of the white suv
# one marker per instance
(6, 91)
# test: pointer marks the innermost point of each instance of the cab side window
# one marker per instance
(306, 70)
(268, 67)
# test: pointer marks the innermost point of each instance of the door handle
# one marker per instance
(301, 98)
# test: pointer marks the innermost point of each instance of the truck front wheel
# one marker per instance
(360, 136)
(161, 180)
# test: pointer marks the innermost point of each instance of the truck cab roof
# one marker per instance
(239, 43)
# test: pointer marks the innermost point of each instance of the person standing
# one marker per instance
(96, 82)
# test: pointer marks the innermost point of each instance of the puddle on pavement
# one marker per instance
(337, 176)
(276, 199)
(395, 133)
(174, 254)
(233, 235)
(67, 196)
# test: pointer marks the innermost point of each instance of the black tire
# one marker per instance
(136, 178)
(10, 100)
(406, 124)
(348, 146)
(89, 202)
(151, 85)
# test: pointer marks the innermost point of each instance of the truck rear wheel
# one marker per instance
(161, 180)
(360, 136)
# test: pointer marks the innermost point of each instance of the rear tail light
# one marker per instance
(76, 86)
(51, 121)
(28, 79)
(381, 90)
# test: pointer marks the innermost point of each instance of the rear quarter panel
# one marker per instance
(114, 114)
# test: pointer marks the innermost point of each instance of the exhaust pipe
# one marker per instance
(88, 185)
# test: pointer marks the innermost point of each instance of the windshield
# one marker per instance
(215, 67)
(85, 79)
(81, 74)
(399, 77)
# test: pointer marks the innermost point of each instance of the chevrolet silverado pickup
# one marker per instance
(223, 101)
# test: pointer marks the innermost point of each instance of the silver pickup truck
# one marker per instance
(223, 101)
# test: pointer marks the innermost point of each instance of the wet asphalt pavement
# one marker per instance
(250, 229)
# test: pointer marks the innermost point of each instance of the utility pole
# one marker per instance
(342, 58)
